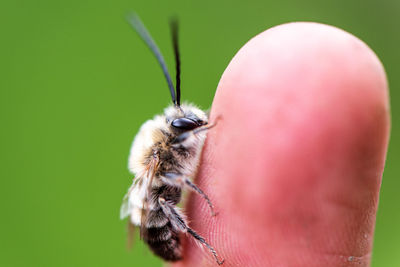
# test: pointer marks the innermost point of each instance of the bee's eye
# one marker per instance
(184, 124)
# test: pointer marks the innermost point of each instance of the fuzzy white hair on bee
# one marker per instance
(164, 158)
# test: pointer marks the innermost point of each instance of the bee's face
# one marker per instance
(185, 118)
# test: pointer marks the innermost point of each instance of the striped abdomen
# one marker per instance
(164, 242)
(161, 237)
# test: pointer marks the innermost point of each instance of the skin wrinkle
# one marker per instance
(295, 165)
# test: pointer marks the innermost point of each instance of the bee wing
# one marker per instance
(152, 167)
(131, 234)
(136, 202)
(125, 207)
(129, 208)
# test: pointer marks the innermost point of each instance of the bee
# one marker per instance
(164, 158)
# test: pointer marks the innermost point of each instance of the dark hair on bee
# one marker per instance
(137, 24)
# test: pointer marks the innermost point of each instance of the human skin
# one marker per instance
(294, 165)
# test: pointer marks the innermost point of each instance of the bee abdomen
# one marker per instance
(156, 219)
(164, 242)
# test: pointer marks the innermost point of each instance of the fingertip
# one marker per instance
(294, 166)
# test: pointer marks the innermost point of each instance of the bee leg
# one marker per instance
(203, 241)
(173, 215)
(202, 194)
(177, 178)
(179, 224)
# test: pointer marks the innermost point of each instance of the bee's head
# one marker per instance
(179, 117)
(185, 117)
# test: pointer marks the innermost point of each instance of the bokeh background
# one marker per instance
(76, 83)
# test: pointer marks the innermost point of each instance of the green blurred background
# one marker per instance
(76, 84)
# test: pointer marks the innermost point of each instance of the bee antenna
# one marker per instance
(174, 29)
(137, 24)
